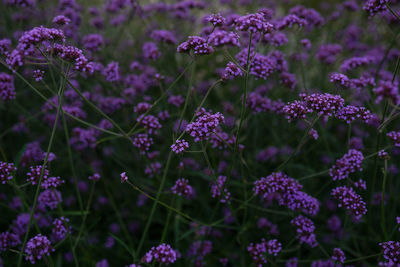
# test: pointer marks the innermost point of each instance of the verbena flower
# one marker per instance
(253, 23)
(162, 254)
(338, 255)
(196, 43)
(287, 191)
(6, 171)
(182, 188)
(349, 199)
(179, 146)
(305, 230)
(349, 163)
(37, 247)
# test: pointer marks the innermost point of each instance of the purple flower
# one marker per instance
(142, 142)
(382, 154)
(5, 46)
(60, 229)
(216, 20)
(257, 251)
(323, 104)
(142, 107)
(152, 169)
(350, 113)
(327, 53)
(35, 173)
(29, 40)
(6, 171)
(124, 177)
(7, 89)
(340, 78)
(111, 72)
(198, 44)
(149, 122)
(360, 184)
(312, 17)
(176, 100)
(218, 189)
(313, 133)
(276, 38)
(163, 254)
(182, 188)
(305, 230)
(179, 146)
(221, 38)
(163, 36)
(391, 252)
(95, 177)
(150, 51)
(231, 71)
(287, 191)
(290, 20)
(253, 23)
(38, 75)
(375, 6)
(338, 255)
(75, 55)
(349, 199)
(354, 62)
(387, 89)
(49, 198)
(37, 247)
(8, 240)
(52, 182)
(204, 125)
(349, 163)
(296, 110)
(61, 20)
(93, 42)
(395, 137)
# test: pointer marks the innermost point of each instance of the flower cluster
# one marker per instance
(37, 247)
(375, 6)
(6, 171)
(349, 199)
(182, 188)
(149, 122)
(305, 230)
(179, 146)
(204, 125)
(253, 23)
(196, 43)
(338, 255)
(395, 137)
(60, 229)
(142, 142)
(257, 251)
(218, 188)
(7, 89)
(222, 38)
(391, 252)
(288, 192)
(162, 254)
(349, 163)
(216, 20)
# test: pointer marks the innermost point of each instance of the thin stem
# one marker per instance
(383, 201)
(85, 216)
(153, 208)
(60, 94)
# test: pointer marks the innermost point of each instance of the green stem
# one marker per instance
(60, 94)
(383, 201)
(153, 208)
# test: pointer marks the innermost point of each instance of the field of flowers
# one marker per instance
(199, 133)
